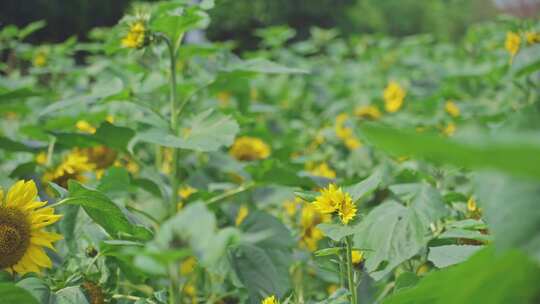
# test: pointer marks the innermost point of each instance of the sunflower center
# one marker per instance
(14, 236)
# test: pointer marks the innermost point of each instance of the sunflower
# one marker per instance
(393, 97)
(248, 148)
(22, 237)
(270, 300)
(72, 167)
(136, 36)
(333, 199)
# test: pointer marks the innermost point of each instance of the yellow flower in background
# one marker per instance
(532, 37)
(187, 266)
(22, 237)
(135, 37)
(393, 96)
(450, 129)
(85, 126)
(291, 206)
(368, 112)
(269, 300)
(248, 148)
(345, 133)
(512, 44)
(224, 98)
(40, 60)
(310, 217)
(352, 143)
(186, 191)
(357, 256)
(471, 205)
(101, 157)
(331, 289)
(191, 291)
(451, 108)
(73, 166)
(41, 158)
(323, 170)
(243, 212)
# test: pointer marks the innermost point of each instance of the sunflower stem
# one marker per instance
(350, 274)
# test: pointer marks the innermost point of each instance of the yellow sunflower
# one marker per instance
(22, 237)
(393, 96)
(334, 199)
(72, 167)
(136, 36)
(248, 148)
(270, 300)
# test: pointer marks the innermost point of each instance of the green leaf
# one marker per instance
(308, 196)
(336, 231)
(365, 187)
(38, 289)
(272, 171)
(115, 137)
(71, 295)
(17, 95)
(260, 65)
(15, 146)
(487, 277)
(514, 153)
(104, 212)
(15, 294)
(444, 256)
(328, 251)
(263, 272)
(204, 132)
(115, 181)
(175, 18)
(279, 235)
(395, 233)
(510, 209)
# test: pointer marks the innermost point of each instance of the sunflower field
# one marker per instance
(138, 167)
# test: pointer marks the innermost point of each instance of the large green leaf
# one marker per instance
(515, 153)
(14, 294)
(203, 132)
(38, 288)
(487, 277)
(510, 209)
(365, 187)
(104, 212)
(393, 233)
(278, 235)
(263, 272)
(71, 295)
(444, 256)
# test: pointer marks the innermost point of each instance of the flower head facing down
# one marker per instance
(393, 96)
(135, 38)
(269, 300)
(334, 200)
(247, 148)
(22, 237)
(512, 44)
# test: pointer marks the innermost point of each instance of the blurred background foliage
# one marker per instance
(239, 19)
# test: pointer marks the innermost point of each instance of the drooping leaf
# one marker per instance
(203, 132)
(516, 154)
(473, 281)
(12, 293)
(510, 208)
